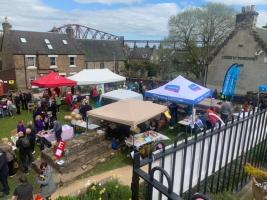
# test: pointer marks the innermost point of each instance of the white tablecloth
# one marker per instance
(83, 124)
(67, 134)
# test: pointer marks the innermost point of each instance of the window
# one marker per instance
(32, 79)
(102, 66)
(53, 61)
(30, 61)
(88, 65)
(72, 61)
(47, 41)
(65, 41)
(49, 46)
(23, 40)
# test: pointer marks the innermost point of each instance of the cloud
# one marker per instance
(147, 21)
(108, 1)
(240, 2)
(262, 18)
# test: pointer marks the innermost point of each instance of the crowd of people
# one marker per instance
(24, 190)
(14, 103)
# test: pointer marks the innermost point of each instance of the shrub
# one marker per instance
(259, 174)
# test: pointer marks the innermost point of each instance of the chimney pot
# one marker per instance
(6, 25)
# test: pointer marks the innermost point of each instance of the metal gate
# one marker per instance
(208, 162)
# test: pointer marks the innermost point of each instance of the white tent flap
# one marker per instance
(121, 94)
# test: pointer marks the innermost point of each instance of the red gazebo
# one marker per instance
(53, 79)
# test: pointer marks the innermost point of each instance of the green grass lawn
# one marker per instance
(9, 124)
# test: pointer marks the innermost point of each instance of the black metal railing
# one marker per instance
(208, 162)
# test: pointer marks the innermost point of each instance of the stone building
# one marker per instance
(139, 55)
(26, 55)
(246, 45)
(101, 54)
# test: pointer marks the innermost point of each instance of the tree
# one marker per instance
(200, 31)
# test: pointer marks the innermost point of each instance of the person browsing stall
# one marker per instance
(21, 127)
(24, 191)
(39, 124)
(46, 181)
(25, 153)
(57, 129)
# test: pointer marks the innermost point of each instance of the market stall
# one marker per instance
(67, 134)
(132, 112)
(129, 112)
(96, 76)
(180, 90)
(119, 94)
(139, 140)
(52, 80)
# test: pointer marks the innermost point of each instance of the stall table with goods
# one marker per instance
(76, 120)
(67, 134)
(147, 137)
(84, 124)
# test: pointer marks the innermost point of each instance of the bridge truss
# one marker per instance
(84, 32)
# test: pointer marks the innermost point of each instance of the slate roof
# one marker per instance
(102, 50)
(36, 43)
(140, 53)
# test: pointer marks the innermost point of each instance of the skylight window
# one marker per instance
(65, 41)
(23, 40)
(49, 46)
(47, 41)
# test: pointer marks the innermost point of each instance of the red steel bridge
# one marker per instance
(84, 32)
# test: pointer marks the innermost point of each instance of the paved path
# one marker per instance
(124, 175)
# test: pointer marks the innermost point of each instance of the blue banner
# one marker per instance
(231, 78)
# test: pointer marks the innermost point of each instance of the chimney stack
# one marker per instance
(6, 26)
(247, 17)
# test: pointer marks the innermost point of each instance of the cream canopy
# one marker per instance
(130, 112)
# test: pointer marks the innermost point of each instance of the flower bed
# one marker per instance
(111, 190)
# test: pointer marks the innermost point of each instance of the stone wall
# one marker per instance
(83, 152)
(107, 64)
(240, 49)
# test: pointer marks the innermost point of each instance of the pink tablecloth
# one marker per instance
(67, 134)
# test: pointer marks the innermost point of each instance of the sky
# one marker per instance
(133, 19)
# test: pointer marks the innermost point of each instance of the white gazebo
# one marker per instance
(96, 76)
